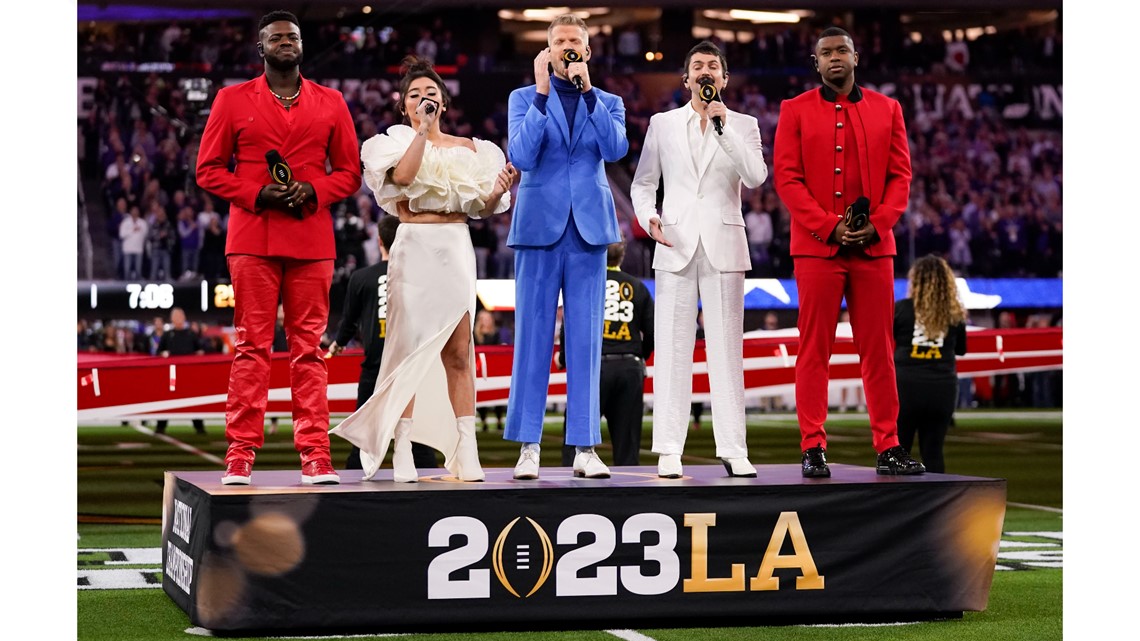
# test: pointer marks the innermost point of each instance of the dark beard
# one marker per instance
(285, 65)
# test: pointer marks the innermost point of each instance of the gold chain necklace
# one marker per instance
(280, 97)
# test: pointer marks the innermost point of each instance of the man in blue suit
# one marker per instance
(564, 219)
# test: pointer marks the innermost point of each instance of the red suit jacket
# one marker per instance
(316, 136)
(808, 163)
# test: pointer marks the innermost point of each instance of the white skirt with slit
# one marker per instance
(431, 289)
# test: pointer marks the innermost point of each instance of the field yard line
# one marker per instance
(629, 635)
(1043, 508)
(185, 447)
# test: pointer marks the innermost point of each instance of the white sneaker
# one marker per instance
(669, 466)
(739, 467)
(588, 464)
(527, 467)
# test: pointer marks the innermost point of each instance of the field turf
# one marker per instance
(119, 489)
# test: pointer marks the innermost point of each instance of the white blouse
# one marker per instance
(450, 179)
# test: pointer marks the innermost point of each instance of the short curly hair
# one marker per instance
(277, 16)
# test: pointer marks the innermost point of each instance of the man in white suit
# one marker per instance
(704, 151)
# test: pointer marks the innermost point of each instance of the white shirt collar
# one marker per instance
(692, 114)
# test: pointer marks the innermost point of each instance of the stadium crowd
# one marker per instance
(362, 43)
(986, 194)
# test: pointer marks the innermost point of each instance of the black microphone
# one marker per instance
(431, 105)
(569, 56)
(278, 168)
(282, 175)
(709, 94)
(858, 213)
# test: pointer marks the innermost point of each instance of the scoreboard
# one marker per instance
(143, 299)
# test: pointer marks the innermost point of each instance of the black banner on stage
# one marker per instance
(635, 548)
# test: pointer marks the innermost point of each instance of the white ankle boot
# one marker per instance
(403, 464)
(467, 466)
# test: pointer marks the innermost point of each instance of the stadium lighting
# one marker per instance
(549, 13)
(755, 17)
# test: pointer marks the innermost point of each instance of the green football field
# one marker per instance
(119, 491)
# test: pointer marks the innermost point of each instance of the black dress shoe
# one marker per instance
(897, 461)
(815, 464)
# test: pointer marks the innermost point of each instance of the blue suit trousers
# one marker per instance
(578, 270)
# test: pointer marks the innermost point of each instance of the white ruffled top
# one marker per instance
(450, 179)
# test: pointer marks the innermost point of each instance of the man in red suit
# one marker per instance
(280, 242)
(835, 147)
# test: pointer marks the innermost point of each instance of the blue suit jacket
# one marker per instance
(559, 173)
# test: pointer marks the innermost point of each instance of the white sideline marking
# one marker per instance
(1043, 508)
(629, 635)
(203, 632)
(185, 447)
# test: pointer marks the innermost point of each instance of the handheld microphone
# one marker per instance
(431, 105)
(858, 213)
(282, 175)
(278, 168)
(708, 93)
(569, 56)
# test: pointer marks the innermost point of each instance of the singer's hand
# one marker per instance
(840, 233)
(298, 193)
(860, 238)
(272, 196)
(334, 350)
(542, 72)
(426, 119)
(717, 109)
(503, 182)
(581, 70)
(657, 233)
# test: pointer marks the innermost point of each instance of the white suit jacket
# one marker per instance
(701, 203)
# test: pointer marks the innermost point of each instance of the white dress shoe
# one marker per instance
(403, 463)
(588, 465)
(739, 467)
(527, 467)
(669, 466)
(467, 452)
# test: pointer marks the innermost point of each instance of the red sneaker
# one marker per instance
(238, 472)
(319, 472)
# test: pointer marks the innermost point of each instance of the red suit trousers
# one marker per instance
(303, 289)
(869, 287)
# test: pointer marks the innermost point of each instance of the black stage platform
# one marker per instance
(559, 552)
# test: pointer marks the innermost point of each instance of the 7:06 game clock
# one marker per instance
(105, 299)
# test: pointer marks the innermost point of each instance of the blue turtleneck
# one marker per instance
(568, 94)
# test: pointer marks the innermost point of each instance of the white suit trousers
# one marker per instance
(675, 327)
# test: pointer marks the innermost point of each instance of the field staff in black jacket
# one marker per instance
(366, 310)
(627, 342)
(930, 330)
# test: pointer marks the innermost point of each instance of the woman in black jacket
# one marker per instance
(930, 330)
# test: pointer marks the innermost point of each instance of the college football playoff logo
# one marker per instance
(520, 559)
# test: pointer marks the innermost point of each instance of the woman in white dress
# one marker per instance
(425, 391)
